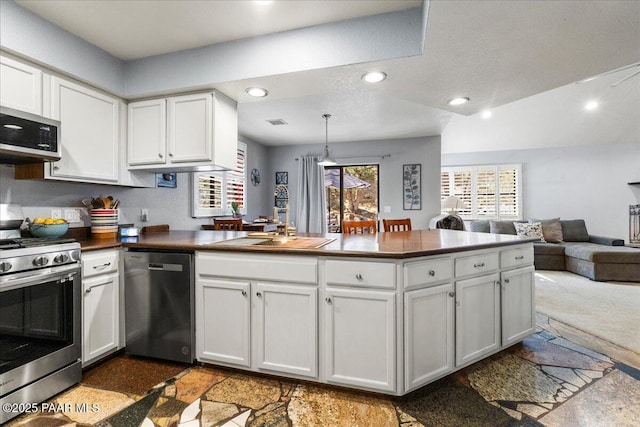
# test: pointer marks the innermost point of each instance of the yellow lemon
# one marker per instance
(38, 220)
(59, 221)
(49, 221)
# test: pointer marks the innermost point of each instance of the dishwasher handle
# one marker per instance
(165, 267)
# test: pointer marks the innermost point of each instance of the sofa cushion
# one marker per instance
(603, 254)
(551, 229)
(502, 227)
(529, 230)
(574, 230)
(480, 226)
(540, 248)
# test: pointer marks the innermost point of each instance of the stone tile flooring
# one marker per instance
(547, 380)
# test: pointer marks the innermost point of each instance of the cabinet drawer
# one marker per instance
(361, 273)
(427, 272)
(476, 264)
(516, 257)
(100, 262)
(262, 267)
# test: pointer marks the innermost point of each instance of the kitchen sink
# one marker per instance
(277, 241)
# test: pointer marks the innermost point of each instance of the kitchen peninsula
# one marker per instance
(388, 312)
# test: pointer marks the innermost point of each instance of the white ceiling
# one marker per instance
(518, 58)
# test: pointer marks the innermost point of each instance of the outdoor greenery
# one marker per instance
(359, 195)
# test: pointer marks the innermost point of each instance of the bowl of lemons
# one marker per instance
(48, 227)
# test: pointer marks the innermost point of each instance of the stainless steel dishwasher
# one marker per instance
(159, 302)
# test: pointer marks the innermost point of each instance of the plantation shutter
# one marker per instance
(485, 200)
(509, 198)
(236, 179)
(462, 188)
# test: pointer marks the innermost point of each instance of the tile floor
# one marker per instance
(547, 380)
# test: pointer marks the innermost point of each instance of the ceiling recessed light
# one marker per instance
(374, 77)
(257, 92)
(486, 114)
(591, 105)
(459, 101)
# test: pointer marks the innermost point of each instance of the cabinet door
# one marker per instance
(429, 334)
(100, 315)
(20, 86)
(89, 132)
(190, 128)
(518, 307)
(223, 321)
(286, 324)
(147, 134)
(477, 318)
(359, 341)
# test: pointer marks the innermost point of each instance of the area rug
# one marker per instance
(608, 310)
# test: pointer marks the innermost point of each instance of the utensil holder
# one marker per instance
(104, 223)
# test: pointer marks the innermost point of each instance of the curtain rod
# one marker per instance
(382, 156)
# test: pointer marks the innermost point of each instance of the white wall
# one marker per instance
(588, 182)
(425, 151)
(165, 205)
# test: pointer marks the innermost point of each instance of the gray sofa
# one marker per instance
(596, 257)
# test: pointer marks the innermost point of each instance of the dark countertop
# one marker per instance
(405, 244)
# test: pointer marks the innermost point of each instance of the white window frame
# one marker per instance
(472, 212)
(225, 210)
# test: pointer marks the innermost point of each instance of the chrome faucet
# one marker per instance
(286, 207)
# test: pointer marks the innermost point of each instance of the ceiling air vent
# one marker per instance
(277, 122)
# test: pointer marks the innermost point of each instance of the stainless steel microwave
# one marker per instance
(28, 138)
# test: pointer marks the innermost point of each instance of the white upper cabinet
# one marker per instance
(20, 86)
(182, 132)
(147, 133)
(89, 132)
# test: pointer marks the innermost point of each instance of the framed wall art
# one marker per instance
(411, 188)
(282, 178)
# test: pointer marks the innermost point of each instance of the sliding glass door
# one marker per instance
(352, 193)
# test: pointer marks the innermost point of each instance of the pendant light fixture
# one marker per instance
(326, 160)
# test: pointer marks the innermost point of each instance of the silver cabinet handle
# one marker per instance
(258, 294)
(359, 276)
(452, 294)
(105, 265)
(328, 300)
(160, 155)
(432, 273)
(520, 257)
(506, 280)
(56, 167)
(170, 154)
(479, 265)
(88, 290)
(244, 293)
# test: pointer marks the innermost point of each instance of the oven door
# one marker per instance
(39, 324)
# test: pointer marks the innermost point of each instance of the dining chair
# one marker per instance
(359, 227)
(227, 224)
(397, 224)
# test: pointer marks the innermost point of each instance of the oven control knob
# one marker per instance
(62, 258)
(5, 266)
(40, 261)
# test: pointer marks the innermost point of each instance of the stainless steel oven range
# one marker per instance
(40, 329)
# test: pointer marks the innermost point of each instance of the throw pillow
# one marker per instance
(574, 230)
(501, 227)
(551, 229)
(481, 226)
(524, 229)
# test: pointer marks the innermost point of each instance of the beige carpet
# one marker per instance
(609, 310)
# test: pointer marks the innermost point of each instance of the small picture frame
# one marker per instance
(166, 180)
(282, 178)
(411, 187)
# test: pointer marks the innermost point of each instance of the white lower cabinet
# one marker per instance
(360, 338)
(285, 325)
(477, 317)
(429, 340)
(223, 323)
(100, 304)
(518, 304)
